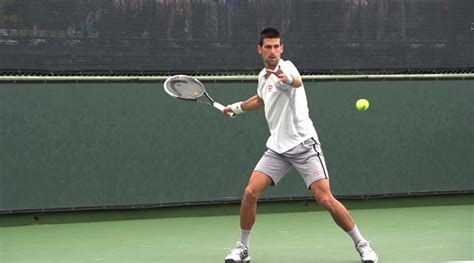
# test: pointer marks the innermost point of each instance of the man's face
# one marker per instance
(271, 51)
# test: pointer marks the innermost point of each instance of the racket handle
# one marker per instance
(221, 107)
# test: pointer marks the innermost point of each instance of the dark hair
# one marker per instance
(269, 32)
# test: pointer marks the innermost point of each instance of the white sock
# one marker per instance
(356, 235)
(245, 237)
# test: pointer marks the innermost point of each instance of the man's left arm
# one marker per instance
(294, 80)
(293, 77)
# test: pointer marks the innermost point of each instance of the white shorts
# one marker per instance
(307, 157)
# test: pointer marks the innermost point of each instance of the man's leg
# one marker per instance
(322, 193)
(248, 208)
(248, 212)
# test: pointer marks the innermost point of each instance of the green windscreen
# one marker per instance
(100, 145)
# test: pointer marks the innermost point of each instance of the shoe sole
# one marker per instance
(369, 261)
(239, 261)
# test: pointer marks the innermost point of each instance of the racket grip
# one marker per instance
(221, 107)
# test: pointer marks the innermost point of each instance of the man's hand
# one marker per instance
(233, 109)
(227, 111)
(280, 75)
(293, 81)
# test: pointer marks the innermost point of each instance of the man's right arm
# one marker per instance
(251, 104)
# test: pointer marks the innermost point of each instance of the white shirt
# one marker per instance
(286, 110)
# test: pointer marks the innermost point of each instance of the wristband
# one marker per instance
(237, 107)
(290, 80)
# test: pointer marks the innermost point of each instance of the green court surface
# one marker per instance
(410, 229)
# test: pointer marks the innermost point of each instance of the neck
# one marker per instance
(271, 66)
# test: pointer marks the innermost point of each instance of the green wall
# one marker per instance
(106, 144)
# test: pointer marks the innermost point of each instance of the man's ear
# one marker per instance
(259, 49)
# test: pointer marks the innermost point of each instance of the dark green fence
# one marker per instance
(124, 144)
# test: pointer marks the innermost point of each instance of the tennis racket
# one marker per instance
(188, 88)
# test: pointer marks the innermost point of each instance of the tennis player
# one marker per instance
(293, 142)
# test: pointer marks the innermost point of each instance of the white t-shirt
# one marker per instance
(286, 110)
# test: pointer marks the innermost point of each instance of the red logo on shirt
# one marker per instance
(270, 88)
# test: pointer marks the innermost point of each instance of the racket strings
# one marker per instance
(186, 88)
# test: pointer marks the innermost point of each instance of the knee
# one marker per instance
(251, 194)
(325, 201)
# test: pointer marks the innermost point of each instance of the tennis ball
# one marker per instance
(362, 104)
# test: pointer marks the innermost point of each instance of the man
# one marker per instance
(293, 142)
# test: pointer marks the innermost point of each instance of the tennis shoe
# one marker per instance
(367, 254)
(239, 254)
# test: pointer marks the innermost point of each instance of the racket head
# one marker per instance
(184, 87)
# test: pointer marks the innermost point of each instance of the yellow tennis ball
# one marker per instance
(362, 104)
